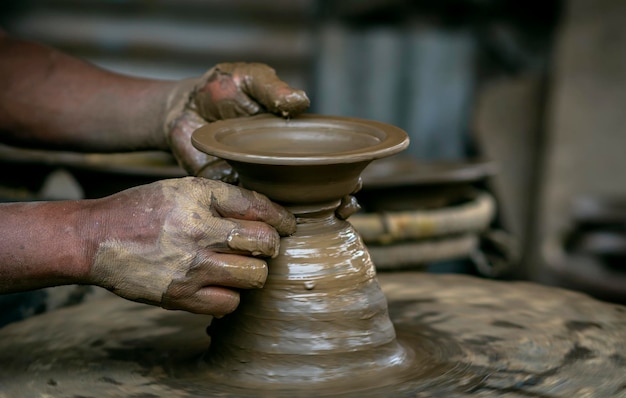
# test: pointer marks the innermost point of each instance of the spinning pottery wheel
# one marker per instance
(325, 323)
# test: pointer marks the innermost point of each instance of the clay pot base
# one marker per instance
(471, 337)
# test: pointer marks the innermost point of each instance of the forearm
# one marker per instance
(52, 100)
(44, 244)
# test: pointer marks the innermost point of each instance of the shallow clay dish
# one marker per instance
(305, 139)
(306, 159)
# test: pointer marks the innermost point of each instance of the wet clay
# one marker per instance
(470, 337)
(321, 318)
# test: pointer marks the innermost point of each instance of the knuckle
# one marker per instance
(203, 263)
(177, 290)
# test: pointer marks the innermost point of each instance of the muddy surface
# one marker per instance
(470, 338)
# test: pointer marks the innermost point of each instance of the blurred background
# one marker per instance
(517, 163)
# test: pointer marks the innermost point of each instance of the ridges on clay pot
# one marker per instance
(321, 317)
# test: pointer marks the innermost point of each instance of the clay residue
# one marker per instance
(348, 206)
(260, 244)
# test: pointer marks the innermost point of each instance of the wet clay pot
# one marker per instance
(321, 316)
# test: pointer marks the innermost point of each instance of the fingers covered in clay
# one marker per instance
(170, 243)
(249, 205)
(210, 300)
(226, 91)
(204, 289)
(253, 238)
(232, 90)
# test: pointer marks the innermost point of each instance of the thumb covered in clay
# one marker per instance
(187, 244)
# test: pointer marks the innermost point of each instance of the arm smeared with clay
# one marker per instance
(182, 244)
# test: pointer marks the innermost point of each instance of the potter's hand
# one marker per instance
(186, 243)
(226, 91)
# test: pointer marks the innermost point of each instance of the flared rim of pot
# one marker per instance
(307, 139)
